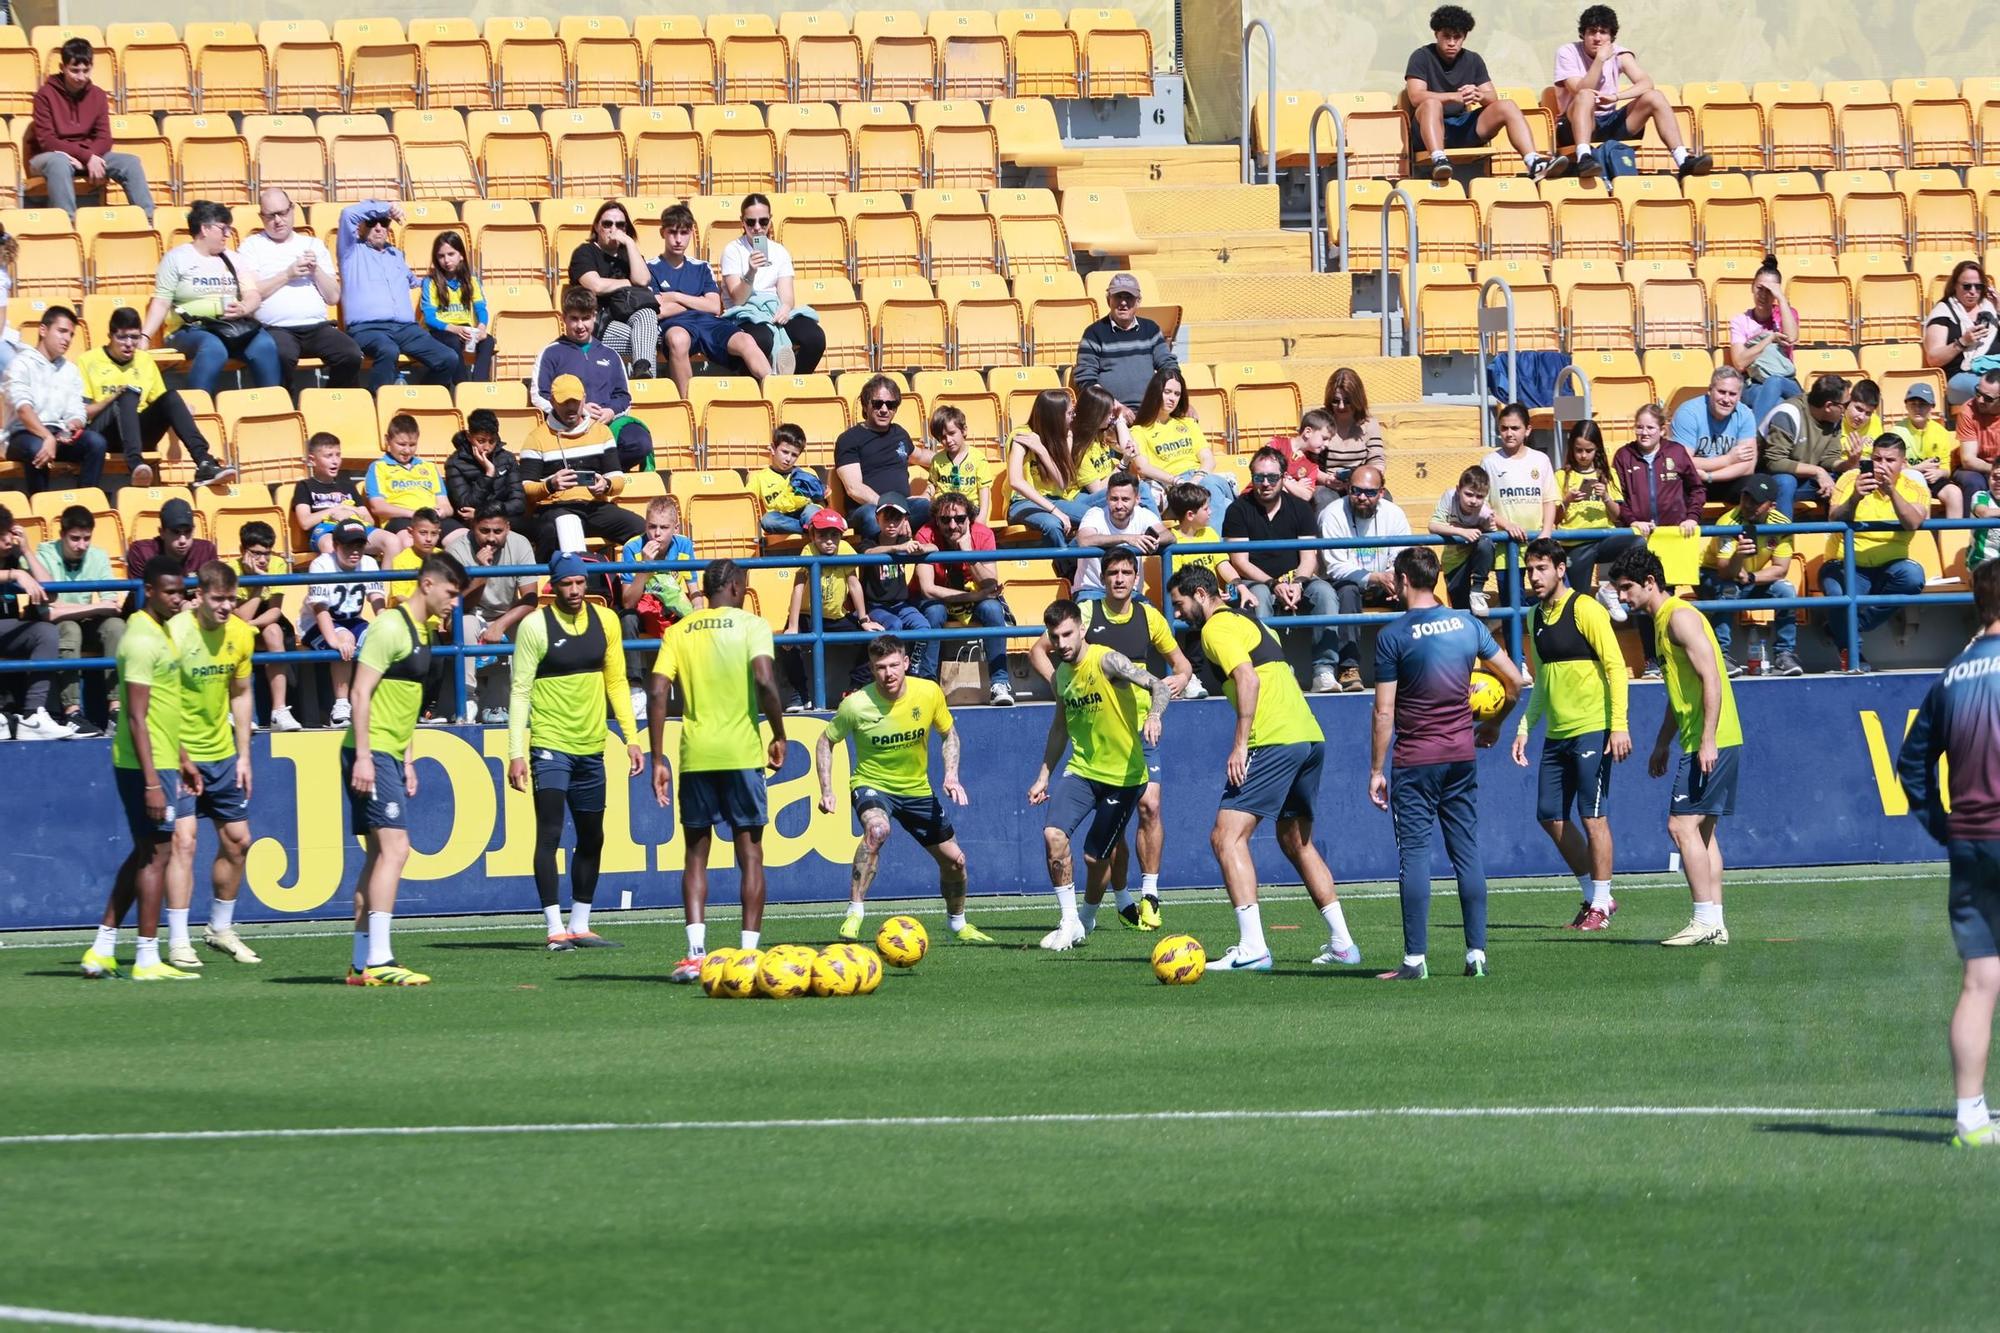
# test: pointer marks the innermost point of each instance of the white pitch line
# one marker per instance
(954, 1122)
(22, 1314)
(1657, 881)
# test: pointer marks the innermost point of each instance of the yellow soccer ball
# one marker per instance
(786, 972)
(902, 941)
(1487, 696)
(836, 971)
(871, 970)
(1179, 960)
(738, 980)
(712, 966)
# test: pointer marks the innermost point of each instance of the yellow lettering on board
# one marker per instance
(1883, 765)
(319, 808)
(467, 792)
(830, 836)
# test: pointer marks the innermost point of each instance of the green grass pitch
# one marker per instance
(1818, 1191)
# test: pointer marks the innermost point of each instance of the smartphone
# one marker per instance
(761, 244)
(585, 477)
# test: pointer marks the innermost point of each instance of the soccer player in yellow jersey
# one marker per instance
(378, 764)
(721, 656)
(1701, 707)
(1272, 770)
(1100, 725)
(145, 759)
(213, 647)
(891, 722)
(1580, 687)
(569, 659)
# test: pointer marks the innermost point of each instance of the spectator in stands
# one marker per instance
(1099, 441)
(962, 593)
(1170, 441)
(894, 600)
(1752, 565)
(1362, 576)
(87, 623)
(375, 299)
(1594, 108)
(1467, 523)
(1803, 443)
(26, 635)
(757, 280)
(296, 281)
(46, 408)
(176, 540)
(1933, 448)
(213, 297)
(843, 607)
(1453, 103)
(655, 602)
(1658, 485)
(494, 603)
(955, 464)
(569, 466)
(785, 491)
(10, 341)
(1306, 473)
(1192, 513)
(607, 395)
(1042, 471)
(1979, 436)
(1282, 583)
(454, 308)
(1586, 495)
(1356, 438)
(1522, 481)
(132, 407)
(71, 133)
(1720, 431)
(1761, 341)
(399, 483)
(1962, 328)
(1121, 523)
(1883, 492)
(1122, 350)
(263, 609)
(326, 499)
(482, 472)
(690, 306)
(335, 610)
(609, 266)
(876, 456)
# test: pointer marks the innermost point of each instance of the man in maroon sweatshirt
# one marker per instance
(72, 134)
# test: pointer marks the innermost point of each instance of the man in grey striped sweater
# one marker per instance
(1121, 351)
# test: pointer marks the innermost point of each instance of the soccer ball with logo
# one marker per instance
(837, 971)
(1487, 696)
(902, 941)
(712, 966)
(871, 969)
(1179, 960)
(738, 980)
(785, 972)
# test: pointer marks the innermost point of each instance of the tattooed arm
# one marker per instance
(1120, 667)
(950, 747)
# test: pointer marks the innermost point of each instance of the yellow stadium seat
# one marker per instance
(606, 64)
(1875, 221)
(1801, 136)
(963, 243)
(962, 156)
(122, 248)
(683, 70)
(20, 76)
(308, 68)
(458, 72)
(232, 70)
(1825, 305)
(1944, 220)
(366, 166)
(1661, 229)
(737, 434)
(1673, 312)
(532, 71)
(1048, 59)
(1803, 224)
(1889, 307)
(266, 435)
(987, 331)
(1117, 53)
(437, 416)
(1515, 229)
(1733, 134)
(384, 67)
(1731, 226)
(1055, 327)
(590, 154)
(212, 161)
(348, 414)
(1028, 134)
(973, 57)
(1601, 315)
(520, 336)
(668, 157)
(515, 155)
(506, 399)
(816, 158)
(49, 266)
(1034, 244)
(827, 65)
(156, 70)
(818, 245)
(756, 67)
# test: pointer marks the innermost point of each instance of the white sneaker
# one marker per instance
(1232, 960)
(182, 955)
(1003, 694)
(6, 728)
(229, 942)
(341, 714)
(1480, 606)
(1065, 937)
(638, 705)
(1609, 596)
(1324, 681)
(494, 717)
(39, 726)
(1347, 957)
(1195, 689)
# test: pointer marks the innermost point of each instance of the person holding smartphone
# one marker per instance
(1961, 328)
(757, 279)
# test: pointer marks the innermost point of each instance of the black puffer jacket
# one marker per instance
(466, 482)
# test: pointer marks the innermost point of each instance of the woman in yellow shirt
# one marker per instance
(1043, 473)
(1171, 444)
(1099, 442)
(1586, 488)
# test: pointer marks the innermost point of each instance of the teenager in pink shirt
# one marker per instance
(1589, 99)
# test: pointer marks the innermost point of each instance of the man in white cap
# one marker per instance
(1122, 350)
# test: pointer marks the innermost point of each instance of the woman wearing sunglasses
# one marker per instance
(1960, 329)
(757, 281)
(609, 265)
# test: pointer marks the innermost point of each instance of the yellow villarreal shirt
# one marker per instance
(1684, 686)
(211, 661)
(892, 737)
(1103, 722)
(1283, 717)
(710, 654)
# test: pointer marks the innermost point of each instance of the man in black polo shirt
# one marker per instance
(874, 459)
(1283, 583)
(1453, 105)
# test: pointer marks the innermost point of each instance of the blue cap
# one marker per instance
(567, 566)
(1921, 392)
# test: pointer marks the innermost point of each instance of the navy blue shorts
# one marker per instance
(1714, 794)
(922, 817)
(316, 641)
(221, 799)
(1975, 897)
(1109, 809)
(1461, 131)
(1611, 124)
(733, 796)
(1151, 750)
(131, 783)
(389, 806)
(1283, 781)
(1575, 771)
(580, 775)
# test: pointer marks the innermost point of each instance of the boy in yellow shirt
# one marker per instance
(132, 407)
(787, 508)
(956, 466)
(843, 609)
(399, 483)
(1933, 447)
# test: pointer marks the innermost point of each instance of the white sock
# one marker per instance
(955, 921)
(1582, 153)
(379, 952)
(1709, 914)
(552, 918)
(360, 949)
(1066, 901)
(1087, 913)
(222, 915)
(1583, 887)
(750, 939)
(1600, 894)
(697, 938)
(579, 918)
(1680, 156)
(1336, 925)
(854, 911)
(1250, 932)
(107, 941)
(1125, 899)
(177, 926)
(1475, 955)
(149, 951)
(1149, 885)
(1972, 1112)
(1413, 960)
(1440, 157)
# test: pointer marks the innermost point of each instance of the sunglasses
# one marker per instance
(1986, 399)
(884, 404)
(757, 224)
(1365, 492)
(955, 520)
(1267, 478)
(1972, 286)
(616, 224)
(1336, 401)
